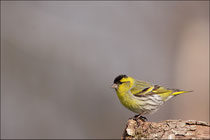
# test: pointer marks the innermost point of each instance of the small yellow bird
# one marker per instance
(142, 97)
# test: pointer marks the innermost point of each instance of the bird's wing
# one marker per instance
(144, 89)
(141, 88)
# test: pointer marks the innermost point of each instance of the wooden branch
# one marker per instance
(169, 129)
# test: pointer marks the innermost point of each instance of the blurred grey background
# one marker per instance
(59, 60)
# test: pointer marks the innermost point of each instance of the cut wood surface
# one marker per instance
(169, 129)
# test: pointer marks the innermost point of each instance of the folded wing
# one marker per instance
(143, 89)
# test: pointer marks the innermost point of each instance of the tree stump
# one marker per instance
(169, 129)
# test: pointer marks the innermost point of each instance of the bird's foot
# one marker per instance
(143, 118)
(136, 117)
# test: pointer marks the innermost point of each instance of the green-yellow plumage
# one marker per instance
(142, 97)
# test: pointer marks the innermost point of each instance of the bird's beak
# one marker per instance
(114, 86)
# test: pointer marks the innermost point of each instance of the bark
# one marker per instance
(169, 129)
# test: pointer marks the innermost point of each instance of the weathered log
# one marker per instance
(169, 129)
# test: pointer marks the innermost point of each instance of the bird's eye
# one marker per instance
(120, 82)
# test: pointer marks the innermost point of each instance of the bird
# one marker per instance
(142, 97)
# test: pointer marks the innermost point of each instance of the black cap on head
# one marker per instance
(118, 78)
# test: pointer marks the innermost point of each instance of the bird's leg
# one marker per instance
(137, 116)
